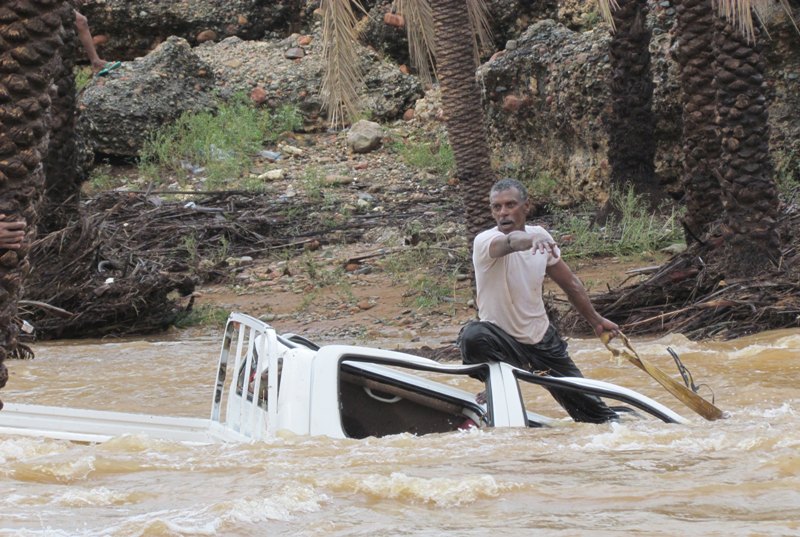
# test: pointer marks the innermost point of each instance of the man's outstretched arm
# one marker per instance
(579, 298)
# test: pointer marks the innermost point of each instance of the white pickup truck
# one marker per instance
(267, 383)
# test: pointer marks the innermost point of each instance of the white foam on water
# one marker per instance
(784, 410)
(439, 491)
(214, 519)
(284, 505)
(57, 470)
(20, 448)
(45, 531)
(97, 496)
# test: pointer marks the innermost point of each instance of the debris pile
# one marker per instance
(692, 295)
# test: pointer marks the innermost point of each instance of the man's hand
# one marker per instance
(11, 234)
(606, 329)
(543, 243)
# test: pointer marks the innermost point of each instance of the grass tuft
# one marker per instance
(205, 315)
(436, 157)
(218, 145)
(634, 231)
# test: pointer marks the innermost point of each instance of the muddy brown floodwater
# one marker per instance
(736, 477)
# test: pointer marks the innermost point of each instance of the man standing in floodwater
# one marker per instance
(510, 263)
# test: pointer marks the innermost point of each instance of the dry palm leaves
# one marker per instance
(128, 266)
(343, 77)
(421, 38)
(123, 268)
(87, 283)
(682, 392)
(691, 294)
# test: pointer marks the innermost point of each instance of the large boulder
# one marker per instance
(547, 96)
(126, 29)
(119, 111)
(290, 71)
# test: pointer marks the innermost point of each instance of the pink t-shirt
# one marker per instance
(509, 288)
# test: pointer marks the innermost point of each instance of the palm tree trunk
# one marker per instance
(29, 41)
(62, 180)
(632, 147)
(749, 193)
(701, 146)
(461, 102)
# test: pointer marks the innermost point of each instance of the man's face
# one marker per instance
(508, 210)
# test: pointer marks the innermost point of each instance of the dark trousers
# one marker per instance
(483, 342)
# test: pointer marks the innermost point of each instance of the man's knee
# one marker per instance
(474, 341)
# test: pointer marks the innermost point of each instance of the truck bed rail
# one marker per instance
(84, 425)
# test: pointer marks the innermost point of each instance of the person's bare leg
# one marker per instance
(85, 37)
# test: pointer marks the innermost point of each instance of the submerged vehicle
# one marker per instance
(269, 383)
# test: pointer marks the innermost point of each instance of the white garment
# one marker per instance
(509, 288)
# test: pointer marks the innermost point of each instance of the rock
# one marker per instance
(364, 136)
(312, 245)
(365, 305)
(550, 91)
(394, 19)
(272, 175)
(295, 53)
(136, 27)
(271, 156)
(119, 111)
(242, 261)
(206, 35)
(674, 249)
(386, 92)
(290, 150)
(513, 103)
(336, 180)
(258, 95)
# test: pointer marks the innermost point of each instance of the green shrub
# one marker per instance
(101, 179)
(204, 315)
(436, 158)
(635, 231)
(787, 172)
(82, 77)
(219, 145)
(542, 187)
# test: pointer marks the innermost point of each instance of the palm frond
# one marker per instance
(740, 14)
(606, 8)
(343, 77)
(421, 37)
(765, 10)
(483, 40)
